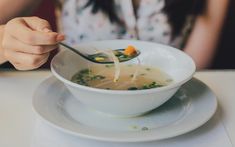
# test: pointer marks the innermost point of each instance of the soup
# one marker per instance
(131, 77)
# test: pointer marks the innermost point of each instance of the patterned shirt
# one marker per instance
(149, 23)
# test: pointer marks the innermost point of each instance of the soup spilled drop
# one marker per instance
(132, 77)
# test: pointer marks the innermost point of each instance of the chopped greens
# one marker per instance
(121, 56)
(117, 53)
(151, 85)
(144, 128)
(146, 86)
(102, 77)
(85, 76)
(133, 88)
(85, 71)
(148, 69)
(134, 127)
(97, 77)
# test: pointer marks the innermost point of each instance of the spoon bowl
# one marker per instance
(102, 58)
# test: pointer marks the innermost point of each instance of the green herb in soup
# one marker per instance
(132, 77)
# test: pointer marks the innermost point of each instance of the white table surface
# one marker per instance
(19, 125)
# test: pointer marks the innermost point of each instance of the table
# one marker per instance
(17, 120)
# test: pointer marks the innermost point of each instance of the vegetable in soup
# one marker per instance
(132, 77)
(103, 56)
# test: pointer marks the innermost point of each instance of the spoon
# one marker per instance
(102, 58)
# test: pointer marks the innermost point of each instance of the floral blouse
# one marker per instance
(149, 24)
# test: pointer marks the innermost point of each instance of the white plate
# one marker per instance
(193, 105)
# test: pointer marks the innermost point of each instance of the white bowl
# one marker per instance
(126, 103)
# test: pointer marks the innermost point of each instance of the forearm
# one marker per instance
(203, 40)
(201, 45)
(2, 59)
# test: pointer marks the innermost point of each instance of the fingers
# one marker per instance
(38, 24)
(25, 48)
(23, 61)
(28, 41)
(27, 32)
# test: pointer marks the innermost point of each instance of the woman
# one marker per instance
(193, 26)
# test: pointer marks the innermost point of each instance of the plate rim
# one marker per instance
(113, 139)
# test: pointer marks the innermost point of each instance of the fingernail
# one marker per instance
(46, 30)
(60, 37)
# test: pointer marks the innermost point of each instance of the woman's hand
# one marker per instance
(27, 42)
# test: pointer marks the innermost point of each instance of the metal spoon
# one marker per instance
(105, 59)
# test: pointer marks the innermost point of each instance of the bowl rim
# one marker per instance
(126, 92)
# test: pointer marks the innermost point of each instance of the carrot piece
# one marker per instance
(130, 50)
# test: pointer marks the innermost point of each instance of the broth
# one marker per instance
(132, 77)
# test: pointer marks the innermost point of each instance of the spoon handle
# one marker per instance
(73, 49)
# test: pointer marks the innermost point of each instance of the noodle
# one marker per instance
(112, 57)
(136, 71)
(117, 67)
